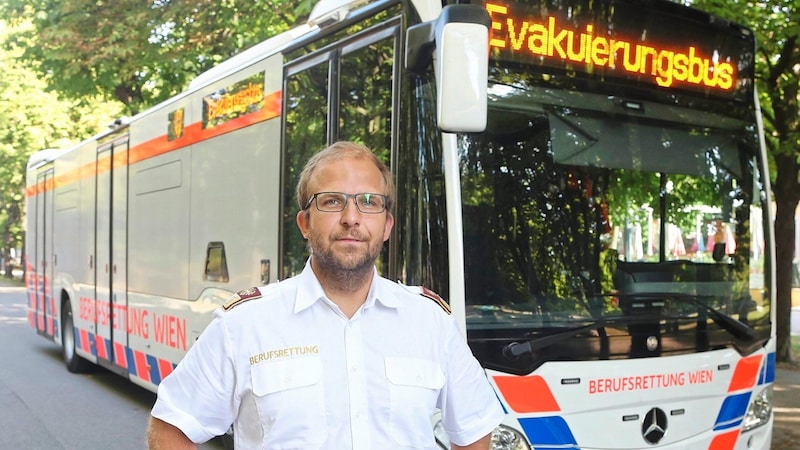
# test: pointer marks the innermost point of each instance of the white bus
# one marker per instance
(584, 181)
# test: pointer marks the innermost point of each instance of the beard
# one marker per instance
(346, 267)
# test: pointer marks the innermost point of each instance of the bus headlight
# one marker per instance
(759, 411)
(503, 438)
(507, 438)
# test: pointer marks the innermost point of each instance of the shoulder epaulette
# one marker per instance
(241, 297)
(425, 292)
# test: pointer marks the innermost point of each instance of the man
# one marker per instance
(336, 357)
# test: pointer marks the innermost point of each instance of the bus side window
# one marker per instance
(216, 263)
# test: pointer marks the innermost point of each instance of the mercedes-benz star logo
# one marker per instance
(652, 343)
(654, 425)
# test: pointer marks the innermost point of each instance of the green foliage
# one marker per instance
(32, 119)
(140, 53)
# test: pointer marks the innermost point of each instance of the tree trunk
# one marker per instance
(7, 244)
(786, 200)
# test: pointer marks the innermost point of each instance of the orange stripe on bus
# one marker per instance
(746, 373)
(725, 441)
(193, 134)
(527, 394)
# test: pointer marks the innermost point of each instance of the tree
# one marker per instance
(140, 53)
(32, 119)
(777, 28)
(67, 63)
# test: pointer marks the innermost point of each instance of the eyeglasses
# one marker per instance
(366, 202)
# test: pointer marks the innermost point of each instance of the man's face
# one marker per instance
(348, 240)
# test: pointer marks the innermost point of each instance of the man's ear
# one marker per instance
(387, 228)
(302, 219)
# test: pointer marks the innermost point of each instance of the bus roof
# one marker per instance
(325, 13)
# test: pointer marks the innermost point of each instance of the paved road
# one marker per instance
(44, 407)
(786, 432)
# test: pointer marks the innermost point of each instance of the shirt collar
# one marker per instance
(309, 291)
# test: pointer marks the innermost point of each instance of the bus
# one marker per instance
(585, 182)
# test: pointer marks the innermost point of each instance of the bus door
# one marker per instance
(111, 253)
(42, 302)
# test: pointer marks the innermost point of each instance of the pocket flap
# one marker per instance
(414, 372)
(279, 376)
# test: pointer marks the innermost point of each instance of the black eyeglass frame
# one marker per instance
(347, 198)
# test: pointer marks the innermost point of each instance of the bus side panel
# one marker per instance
(219, 189)
(235, 194)
(66, 235)
(39, 218)
(158, 219)
(157, 246)
(83, 260)
(30, 244)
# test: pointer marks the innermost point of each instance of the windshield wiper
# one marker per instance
(517, 349)
(736, 328)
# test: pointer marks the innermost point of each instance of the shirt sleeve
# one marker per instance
(470, 408)
(199, 396)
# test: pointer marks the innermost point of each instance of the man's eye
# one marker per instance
(331, 201)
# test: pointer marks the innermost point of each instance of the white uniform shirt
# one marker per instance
(291, 371)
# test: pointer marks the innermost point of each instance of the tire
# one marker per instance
(72, 360)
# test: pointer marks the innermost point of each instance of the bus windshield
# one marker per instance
(605, 227)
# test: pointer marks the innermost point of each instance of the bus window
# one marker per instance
(306, 117)
(216, 263)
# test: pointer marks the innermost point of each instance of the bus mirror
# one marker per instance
(458, 46)
(462, 64)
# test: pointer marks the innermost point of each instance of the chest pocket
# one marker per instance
(414, 386)
(290, 400)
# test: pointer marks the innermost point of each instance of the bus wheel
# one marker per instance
(74, 363)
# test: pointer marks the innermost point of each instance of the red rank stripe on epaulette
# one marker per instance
(435, 297)
(249, 293)
(242, 296)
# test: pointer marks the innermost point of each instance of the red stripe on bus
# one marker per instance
(142, 369)
(527, 394)
(725, 441)
(85, 345)
(164, 368)
(99, 342)
(120, 357)
(746, 373)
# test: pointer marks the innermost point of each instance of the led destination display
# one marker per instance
(617, 39)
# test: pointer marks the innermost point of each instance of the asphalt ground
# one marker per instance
(786, 408)
(786, 401)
